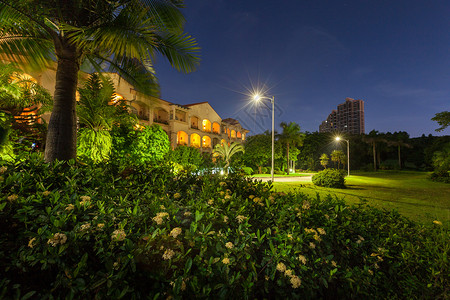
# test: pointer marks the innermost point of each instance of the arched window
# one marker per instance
(239, 135)
(182, 138)
(233, 134)
(195, 140)
(206, 125)
(216, 128)
(206, 142)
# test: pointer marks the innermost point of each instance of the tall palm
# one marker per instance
(290, 135)
(123, 35)
(338, 156)
(374, 138)
(227, 152)
(398, 139)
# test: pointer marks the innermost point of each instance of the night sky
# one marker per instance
(312, 54)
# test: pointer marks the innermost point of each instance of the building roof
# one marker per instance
(231, 121)
(195, 103)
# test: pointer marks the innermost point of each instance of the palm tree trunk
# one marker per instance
(62, 128)
(287, 158)
(374, 157)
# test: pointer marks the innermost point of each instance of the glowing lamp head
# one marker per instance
(256, 97)
(338, 138)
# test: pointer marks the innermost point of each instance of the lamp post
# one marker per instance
(348, 153)
(257, 98)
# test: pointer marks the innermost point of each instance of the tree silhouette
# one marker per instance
(290, 135)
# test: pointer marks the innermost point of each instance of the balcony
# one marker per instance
(144, 117)
(160, 121)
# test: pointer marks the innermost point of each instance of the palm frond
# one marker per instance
(182, 51)
(166, 14)
(24, 39)
(141, 75)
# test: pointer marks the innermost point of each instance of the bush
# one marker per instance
(247, 170)
(440, 176)
(146, 145)
(331, 178)
(265, 170)
(115, 231)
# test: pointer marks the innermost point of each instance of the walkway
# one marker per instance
(287, 179)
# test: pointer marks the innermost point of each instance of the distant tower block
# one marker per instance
(349, 117)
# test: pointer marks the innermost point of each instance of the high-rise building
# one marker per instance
(349, 117)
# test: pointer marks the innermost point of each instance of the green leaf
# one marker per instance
(187, 266)
(28, 295)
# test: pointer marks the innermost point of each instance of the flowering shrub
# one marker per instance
(69, 231)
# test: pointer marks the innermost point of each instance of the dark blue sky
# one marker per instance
(312, 54)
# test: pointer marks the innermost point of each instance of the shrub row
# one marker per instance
(110, 232)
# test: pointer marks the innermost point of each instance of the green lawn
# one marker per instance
(411, 193)
(277, 175)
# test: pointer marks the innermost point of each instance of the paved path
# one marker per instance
(287, 179)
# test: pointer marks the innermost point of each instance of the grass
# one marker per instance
(411, 193)
(278, 175)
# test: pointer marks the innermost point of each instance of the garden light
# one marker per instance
(257, 98)
(338, 138)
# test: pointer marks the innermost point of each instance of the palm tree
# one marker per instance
(291, 135)
(338, 156)
(120, 36)
(399, 140)
(324, 160)
(374, 138)
(226, 152)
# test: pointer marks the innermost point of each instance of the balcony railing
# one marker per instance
(161, 121)
(143, 117)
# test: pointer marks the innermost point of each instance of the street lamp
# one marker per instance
(257, 98)
(338, 138)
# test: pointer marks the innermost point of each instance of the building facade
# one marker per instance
(197, 125)
(348, 118)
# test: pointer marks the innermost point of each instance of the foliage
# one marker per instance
(97, 114)
(329, 178)
(247, 170)
(338, 157)
(291, 136)
(443, 119)
(114, 36)
(440, 176)
(93, 145)
(258, 150)
(18, 91)
(324, 159)
(441, 159)
(6, 148)
(188, 157)
(145, 145)
(134, 232)
(226, 152)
